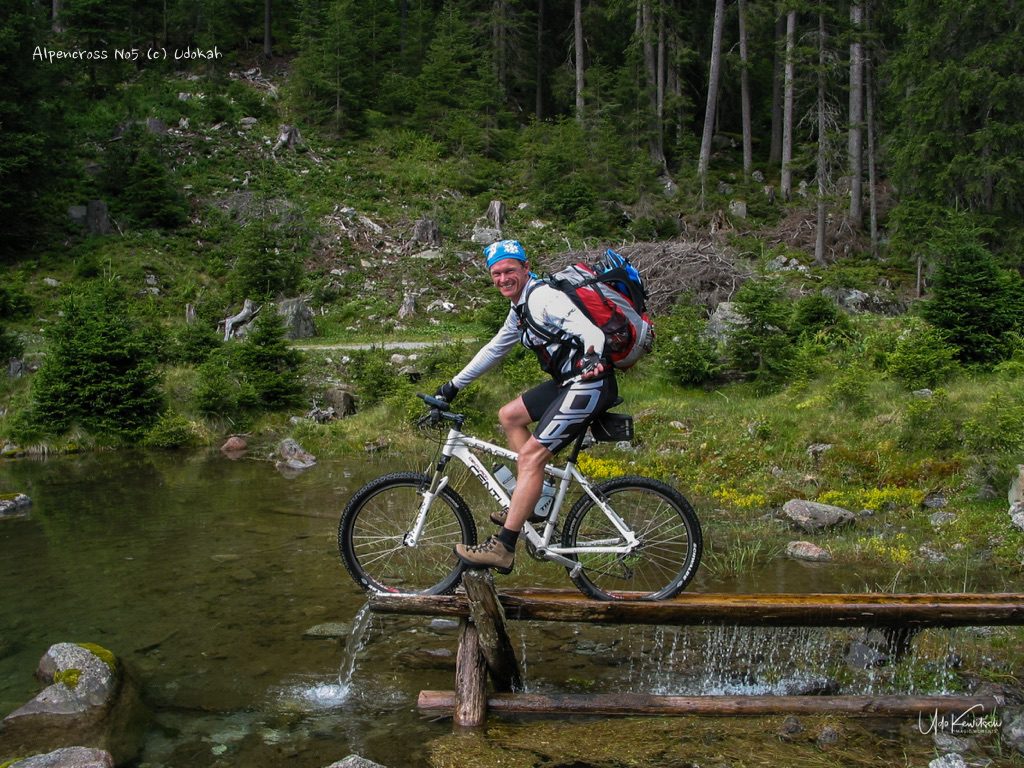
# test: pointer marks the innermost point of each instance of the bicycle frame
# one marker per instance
(460, 446)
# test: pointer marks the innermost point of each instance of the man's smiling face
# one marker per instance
(510, 276)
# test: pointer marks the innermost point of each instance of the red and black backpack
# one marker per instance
(611, 294)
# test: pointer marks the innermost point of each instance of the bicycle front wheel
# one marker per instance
(665, 525)
(374, 536)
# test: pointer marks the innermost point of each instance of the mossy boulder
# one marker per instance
(89, 701)
(14, 505)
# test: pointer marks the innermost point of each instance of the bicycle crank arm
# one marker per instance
(574, 566)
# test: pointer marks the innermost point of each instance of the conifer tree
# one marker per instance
(972, 299)
(959, 96)
(31, 128)
(100, 369)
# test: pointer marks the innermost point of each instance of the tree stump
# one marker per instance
(408, 308)
(496, 214)
(98, 218)
(425, 232)
(231, 324)
(288, 136)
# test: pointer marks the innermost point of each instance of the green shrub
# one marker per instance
(972, 299)
(221, 389)
(267, 265)
(930, 423)
(373, 375)
(922, 357)
(271, 366)
(171, 431)
(99, 370)
(816, 313)
(761, 348)
(194, 342)
(135, 175)
(851, 387)
(260, 371)
(683, 349)
(14, 302)
(10, 346)
(492, 314)
(998, 427)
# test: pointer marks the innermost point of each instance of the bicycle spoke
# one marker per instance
(665, 528)
(375, 531)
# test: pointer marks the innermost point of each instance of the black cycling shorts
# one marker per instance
(562, 411)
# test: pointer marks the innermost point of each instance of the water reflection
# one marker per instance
(214, 579)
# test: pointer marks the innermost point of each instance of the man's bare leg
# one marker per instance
(533, 457)
(515, 420)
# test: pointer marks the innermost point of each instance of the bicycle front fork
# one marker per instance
(437, 484)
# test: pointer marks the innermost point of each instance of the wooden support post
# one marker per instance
(629, 704)
(489, 618)
(469, 701)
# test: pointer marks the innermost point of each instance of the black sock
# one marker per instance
(508, 538)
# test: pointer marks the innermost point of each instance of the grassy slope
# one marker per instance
(740, 452)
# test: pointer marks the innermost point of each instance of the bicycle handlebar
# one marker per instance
(435, 402)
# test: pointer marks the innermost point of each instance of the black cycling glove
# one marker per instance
(590, 362)
(447, 392)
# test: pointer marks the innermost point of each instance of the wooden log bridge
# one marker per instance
(484, 646)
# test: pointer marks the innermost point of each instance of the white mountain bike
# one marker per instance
(630, 537)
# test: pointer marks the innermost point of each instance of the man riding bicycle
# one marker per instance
(570, 348)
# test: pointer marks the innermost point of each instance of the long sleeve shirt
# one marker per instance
(558, 332)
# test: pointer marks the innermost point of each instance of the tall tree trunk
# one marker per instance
(578, 43)
(55, 17)
(786, 183)
(775, 150)
(539, 107)
(662, 63)
(499, 35)
(870, 129)
(819, 240)
(856, 151)
(712, 101)
(748, 151)
(268, 48)
(647, 34)
(403, 25)
(674, 86)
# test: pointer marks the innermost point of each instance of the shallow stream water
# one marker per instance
(218, 583)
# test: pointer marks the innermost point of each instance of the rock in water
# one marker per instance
(89, 702)
(293, 457)
(69, 757)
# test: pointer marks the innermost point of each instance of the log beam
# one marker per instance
(967, 708)
(916, 611)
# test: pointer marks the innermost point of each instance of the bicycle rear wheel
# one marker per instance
(663, 521)
(373, 529)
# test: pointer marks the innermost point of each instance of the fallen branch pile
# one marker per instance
(706, 269)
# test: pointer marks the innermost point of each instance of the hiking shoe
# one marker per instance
(499, 518)
(491, 554)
